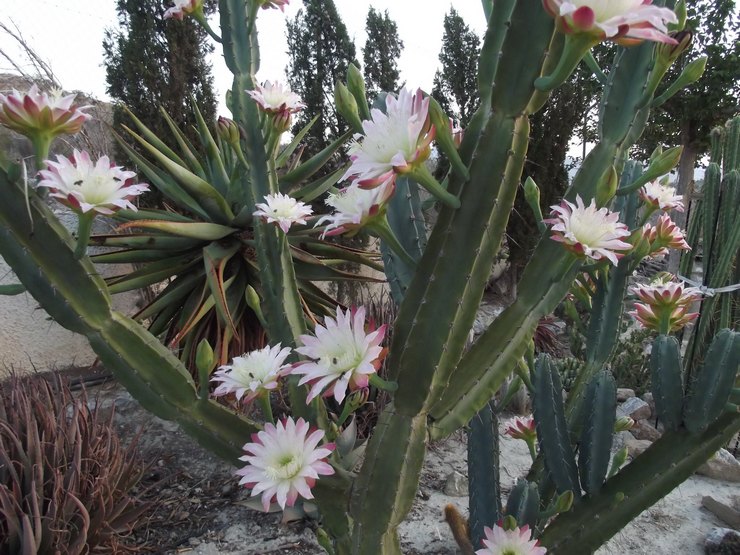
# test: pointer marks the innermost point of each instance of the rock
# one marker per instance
(624, 393)
(644, 430)
(722, 540)
(635, 447)
(722, 466)
(456, 485)
(725, 513)
(648, 398)
(635, 408)
(619, 440)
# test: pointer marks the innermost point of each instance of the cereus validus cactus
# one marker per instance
(241, 249)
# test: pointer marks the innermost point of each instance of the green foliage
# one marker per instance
(65, 480)
(630, 362)
(152, 62)
(380, 54)
(320, 52)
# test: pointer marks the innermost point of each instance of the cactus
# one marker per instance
(229, 266)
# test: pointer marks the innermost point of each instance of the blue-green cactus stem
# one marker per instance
(483, 473)
(667, 381)
(594, 451)
(667, 463)
(524, 504)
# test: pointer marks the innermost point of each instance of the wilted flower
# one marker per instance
(395, 141)
(283, 210)
(34, 113)
(355, 207)
(521, 428)
(252, 373)
(663, 236)
(617, 20)
(85, 186)
(266, 4)
(284, 461)
(510, 542)
(344, 355)
(661, 197)
(183, 8)
(588, 231)
(278, 101)
(666, 305)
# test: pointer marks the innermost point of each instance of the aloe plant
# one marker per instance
(231, 264)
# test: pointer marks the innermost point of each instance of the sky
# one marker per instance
(68, 34)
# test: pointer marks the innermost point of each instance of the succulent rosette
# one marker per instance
(355, 207)
(87, 186)
(36, 112)
(284, 461)
(665, 305)
(510, 542)
(253, 373)
(661, 197)
(588, 231)
(343, 355)
(283, 210)
(183, 8)
(623, 21)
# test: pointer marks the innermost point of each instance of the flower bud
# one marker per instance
(564, 502)
(347, 106)
(607, 187)
(228, 130)
(204, 359)
(356, 86)
(623, 424)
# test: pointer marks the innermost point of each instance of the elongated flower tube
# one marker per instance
(661, 197)
(283, 210)
(253, 373)
(588, 231)
(87, 186)
(623, 21)
(510, 542)
(183, 8)
(355, 207)
(665, 305)
(278, 101)
(284, 461)
(343, 355)
(41, 116)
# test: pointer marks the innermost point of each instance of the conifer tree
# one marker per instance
(380, 54)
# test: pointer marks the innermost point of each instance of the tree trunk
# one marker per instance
(685, 187)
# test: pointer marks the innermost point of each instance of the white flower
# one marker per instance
(614, 19)
(283, 210)
(284, 461)
(588, 231)
(36, 112)
(510, 542)
(393, 141)
(183, 8)
(344, 356)
(354, 206)
(252, 373)
(276, 98)
(663, 197)
(85, 186)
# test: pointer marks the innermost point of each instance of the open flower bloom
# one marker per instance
(661, 197)
(664, 235)
(343, 355)
(510, 542)
(588, 231)
(252, 373)
(183, 8)
(665, 305)
(284, 461)
(283, 210)
(266, 4)
(617, 20)
(394, 142)
(36, 112)
(278, 101)
(521, 428)
(355, 207)
(85, 186)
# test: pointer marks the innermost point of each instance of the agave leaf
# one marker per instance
(152, 273)
(215, 258)
(153, 139)
(146, 241)
(288, 151)
(218, 173)
(179, 288)
(317, 188)
(187, 148)
(313, 164)
(131, 215)
(195, 230)
(134, 256)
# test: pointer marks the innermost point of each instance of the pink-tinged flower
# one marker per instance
(394, 142)
(665, 305)
(278, 101)
(85, 186)
(252, 373)
(36, 112)
(283, 210)
(343, 355)
(623, 21)
(284, 461)
(355, 207)
(588, 231)
(521, 428)
(661, 197)
(183, 8)
(663, 236)
(266, 4)
(510, 542)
